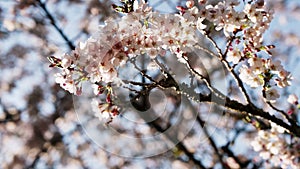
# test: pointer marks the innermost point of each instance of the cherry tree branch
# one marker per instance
(206, 50)
(205, 79)
(155, 123)
(237, 106)
(212, 142)
(72, 47)
(208, 135)
(227, 65)
(293, 128)
(54, 24)
(251, 110)
(173, 138)
(282, 112)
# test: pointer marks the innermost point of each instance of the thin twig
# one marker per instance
(136, 83)
(229, 68)
(172, 138)
(213, 42)
(228, 151)
(283, 113)
(206, 50)
(212, 142)
(132, 60)
(205, 79)
(294, 128)
(53, 22)
(229, 42)
(291, 121)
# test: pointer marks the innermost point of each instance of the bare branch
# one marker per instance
(212, 142)
(42, 5)
(227, 65)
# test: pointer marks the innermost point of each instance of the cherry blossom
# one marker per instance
(272, 94)
(147, 32)
(144, 31)
(272, 146)
(233, 56)
(293, 99)
(190, 3)
(65, 80)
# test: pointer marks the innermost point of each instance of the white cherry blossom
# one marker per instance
(234, 56)
(272, 94)
(272, 146)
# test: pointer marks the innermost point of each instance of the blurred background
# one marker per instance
(39, 125)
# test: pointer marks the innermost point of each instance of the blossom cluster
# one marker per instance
(273, 147)
(246, 26)
(138, 32)
(251, 22)
(267, 73)
(143, 31)
(146, 31)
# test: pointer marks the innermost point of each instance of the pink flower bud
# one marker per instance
(181, 8)
(291, 111)
(202, 2)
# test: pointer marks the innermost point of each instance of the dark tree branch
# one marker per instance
(291, 121)
(222, 57)
(284, 114)
(230, 153)
(54, 24)
(211, 141)
(205, 79)
(251, 110)
(155, 124)
(241, 164)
